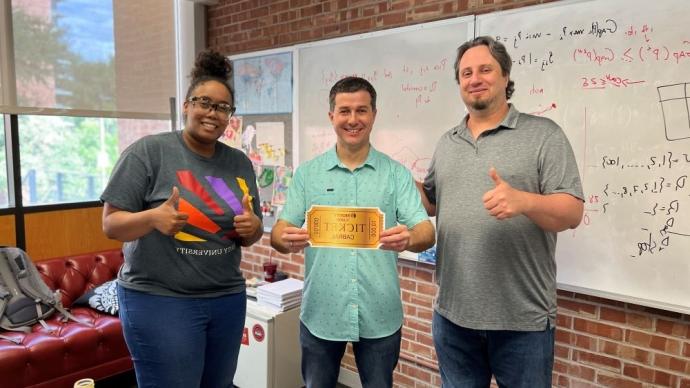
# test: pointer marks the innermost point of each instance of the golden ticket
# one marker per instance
(345, 227)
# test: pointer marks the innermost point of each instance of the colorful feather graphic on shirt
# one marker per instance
(197, 218)
(182, 236)
(245, 190)
(189, 182)
(223, 191)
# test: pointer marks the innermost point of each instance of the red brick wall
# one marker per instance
(609, 343)
(237, 26)
(599, 342)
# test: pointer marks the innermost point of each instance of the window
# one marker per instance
(105, 55)
(85, 79)
(69, 159)
(4, 186)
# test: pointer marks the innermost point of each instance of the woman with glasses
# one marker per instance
(184, 204)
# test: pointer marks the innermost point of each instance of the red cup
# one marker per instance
(270, 272)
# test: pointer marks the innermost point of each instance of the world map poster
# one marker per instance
(263, 84)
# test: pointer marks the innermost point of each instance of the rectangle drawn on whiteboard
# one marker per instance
(674, 101)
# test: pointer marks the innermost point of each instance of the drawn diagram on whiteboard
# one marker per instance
(416, 164)
(541, 111)
(674, 100)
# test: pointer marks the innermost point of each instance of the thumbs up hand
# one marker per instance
(247, 224)
(167, 219)
(494, 177)
(503, 201)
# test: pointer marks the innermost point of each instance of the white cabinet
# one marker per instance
(270, 353)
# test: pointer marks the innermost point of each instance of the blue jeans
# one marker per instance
(468, 358)
(375, 358)
(182, 342)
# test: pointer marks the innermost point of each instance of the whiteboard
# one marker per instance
(411, 69)
(615, 75)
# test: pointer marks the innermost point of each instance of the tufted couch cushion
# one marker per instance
(67, 351)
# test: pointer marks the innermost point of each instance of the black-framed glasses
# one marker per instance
(205, 103)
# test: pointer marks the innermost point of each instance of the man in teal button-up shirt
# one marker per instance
(352, 294)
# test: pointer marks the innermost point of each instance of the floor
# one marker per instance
(124, 380)
(128, 380)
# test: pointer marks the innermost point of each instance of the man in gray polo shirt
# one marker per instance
(501, 184)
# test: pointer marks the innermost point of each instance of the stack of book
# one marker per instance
(281, 295)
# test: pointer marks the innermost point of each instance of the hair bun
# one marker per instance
(210, 63)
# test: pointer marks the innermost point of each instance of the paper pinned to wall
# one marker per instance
(282, 182)
(232, 135)
(270, 142)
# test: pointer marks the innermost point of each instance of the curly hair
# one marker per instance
(210, 65)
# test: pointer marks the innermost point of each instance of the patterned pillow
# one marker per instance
(102, 298)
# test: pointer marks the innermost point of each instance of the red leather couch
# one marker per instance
(68, 351)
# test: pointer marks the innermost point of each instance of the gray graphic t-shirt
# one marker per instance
(202, 260)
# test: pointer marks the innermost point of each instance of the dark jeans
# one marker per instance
(376, 359)
(182, 342)
(467, 358)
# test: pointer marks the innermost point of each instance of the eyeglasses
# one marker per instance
(206, 104)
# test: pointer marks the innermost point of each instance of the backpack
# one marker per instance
(25, 299)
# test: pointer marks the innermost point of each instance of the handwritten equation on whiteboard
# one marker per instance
(419, 83)
(640, 47)
(664, 184)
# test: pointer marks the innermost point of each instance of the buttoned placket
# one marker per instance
(353, 264)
